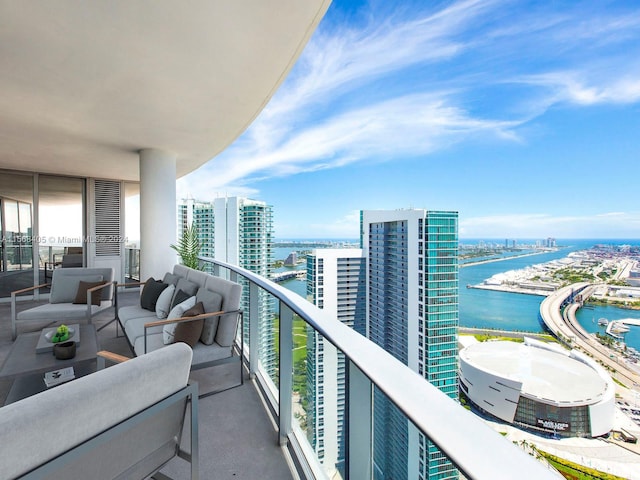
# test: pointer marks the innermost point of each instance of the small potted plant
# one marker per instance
(61, 335)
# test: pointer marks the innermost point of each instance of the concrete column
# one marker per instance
(157, 213)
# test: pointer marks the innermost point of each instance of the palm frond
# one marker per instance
(188, 247)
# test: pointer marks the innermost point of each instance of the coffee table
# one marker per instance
(27, 368)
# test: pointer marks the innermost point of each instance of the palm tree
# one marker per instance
(188, 247)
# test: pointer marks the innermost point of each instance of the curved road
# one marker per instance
(565, 326)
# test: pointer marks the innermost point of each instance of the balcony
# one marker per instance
(317, 414)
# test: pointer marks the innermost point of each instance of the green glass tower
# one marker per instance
(412, 312)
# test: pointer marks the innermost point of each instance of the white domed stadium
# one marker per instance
(539, 386)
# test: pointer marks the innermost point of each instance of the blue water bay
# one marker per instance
(514, 311)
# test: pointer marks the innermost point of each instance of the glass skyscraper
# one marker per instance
(412, 312)
(239, 231)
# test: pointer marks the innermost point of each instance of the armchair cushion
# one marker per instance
(150, 293)
(81, 295)
(64, 287)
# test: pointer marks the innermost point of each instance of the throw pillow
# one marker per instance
(81, 294)
(150, 293)
(163, 305)
(168, 331)
(189, 332)
(179, 297)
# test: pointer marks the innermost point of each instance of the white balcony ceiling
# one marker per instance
(84, 85)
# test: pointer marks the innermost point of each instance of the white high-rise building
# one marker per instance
(412, 312)
(335, 283)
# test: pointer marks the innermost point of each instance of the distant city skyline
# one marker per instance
(521, 116)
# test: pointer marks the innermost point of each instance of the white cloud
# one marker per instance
(570, 87)
(406, 126)
(342, 103)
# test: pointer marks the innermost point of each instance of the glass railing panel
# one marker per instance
(319, 399)
(132, 265)
(261, 323)
(401, 450)
(383, 440)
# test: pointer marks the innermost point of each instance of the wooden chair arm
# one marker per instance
(158, 323)
(112, 357)
(99, 287)
(28, 289)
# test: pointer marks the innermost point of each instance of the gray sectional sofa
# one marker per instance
(121, 422)
(145, 328)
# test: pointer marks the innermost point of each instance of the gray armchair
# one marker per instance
(64, 290)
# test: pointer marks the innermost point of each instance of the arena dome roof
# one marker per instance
(545, 374)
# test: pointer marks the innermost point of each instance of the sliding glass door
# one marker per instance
(16, 222)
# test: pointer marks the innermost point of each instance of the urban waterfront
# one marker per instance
(512, 311)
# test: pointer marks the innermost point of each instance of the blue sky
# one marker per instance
(522, 116)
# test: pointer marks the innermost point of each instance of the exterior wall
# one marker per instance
(601, 414)
(493, 393)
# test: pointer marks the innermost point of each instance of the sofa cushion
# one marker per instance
(170, 278)
(169, 329)
(163, 305)
(150, 293)
(227, 328)
(134, 328)
(198, 277)
(212, 302)
(64, 288)
(81, 294)
(154, 342)
(61, 311)
(189, 332)
(134, 311)
(190, 288)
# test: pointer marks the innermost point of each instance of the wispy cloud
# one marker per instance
(398, 128)
(570, 87)
(388, 86)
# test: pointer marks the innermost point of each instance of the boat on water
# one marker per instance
(619, 327)
(603, 321)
